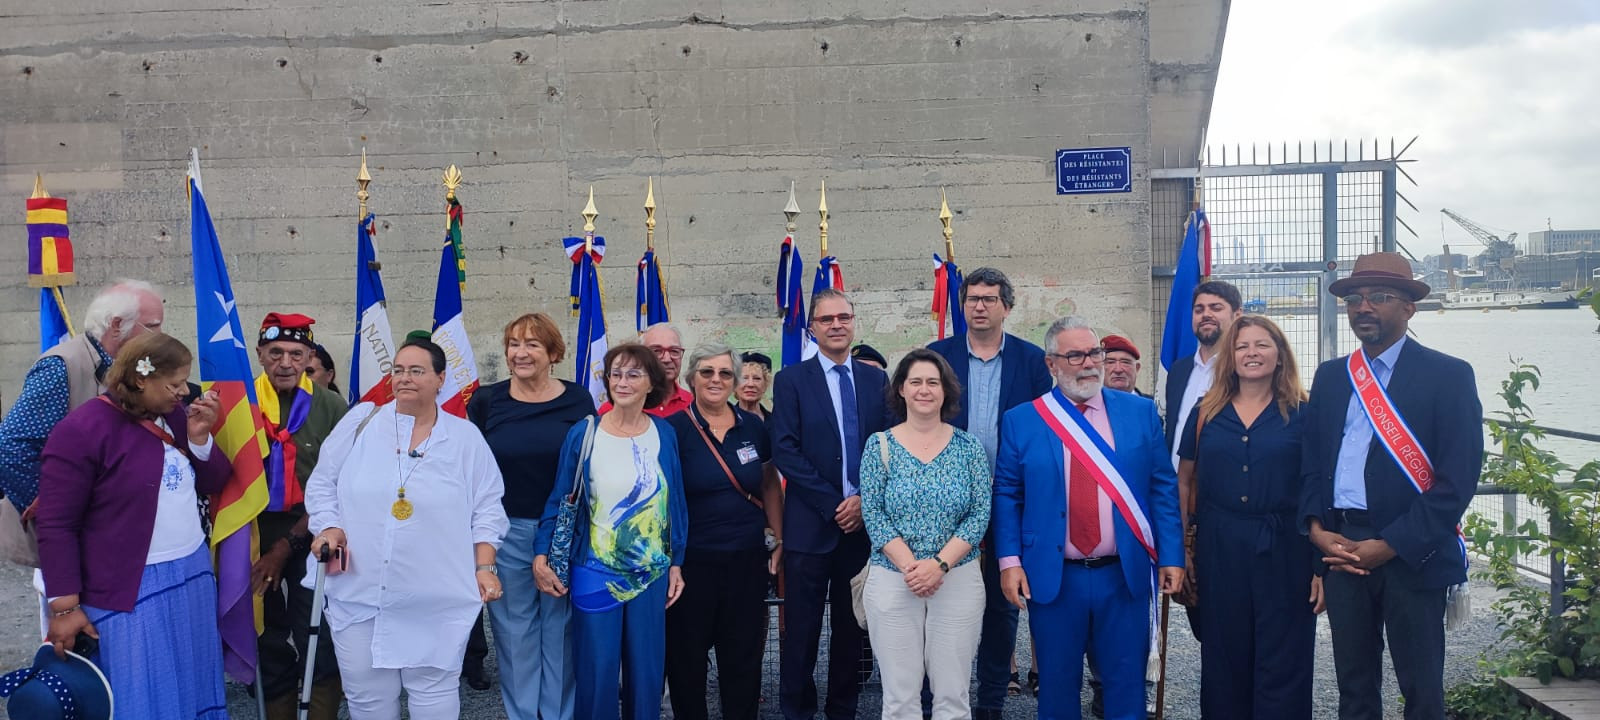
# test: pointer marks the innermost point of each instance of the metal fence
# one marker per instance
(1281, 232)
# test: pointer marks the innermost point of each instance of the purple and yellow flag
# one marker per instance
(49, 245)
(225, 368)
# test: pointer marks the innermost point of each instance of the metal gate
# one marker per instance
(1281, 232)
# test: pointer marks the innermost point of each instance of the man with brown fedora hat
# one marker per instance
(1392, 449)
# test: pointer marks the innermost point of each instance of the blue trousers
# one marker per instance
(1094, 607)
(531, 642)
(631, 641)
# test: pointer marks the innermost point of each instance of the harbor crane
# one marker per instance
(1497, 261)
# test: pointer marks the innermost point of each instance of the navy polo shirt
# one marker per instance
(720, 518)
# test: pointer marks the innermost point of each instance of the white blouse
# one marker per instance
(414, 577)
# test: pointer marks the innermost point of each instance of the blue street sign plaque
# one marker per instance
(1086, 171)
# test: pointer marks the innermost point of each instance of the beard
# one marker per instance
(1208, 337)
(1082, 385)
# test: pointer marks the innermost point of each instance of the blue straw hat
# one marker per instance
(57, 689)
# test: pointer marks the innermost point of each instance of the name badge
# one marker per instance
(747, 455)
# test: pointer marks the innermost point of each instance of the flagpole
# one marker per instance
(363, 179)
(790, 211)
(949, 233)
(649, 214)
(822, 209)
(589, 214)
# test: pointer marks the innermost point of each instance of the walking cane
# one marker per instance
(1161, 682)
(327, 554)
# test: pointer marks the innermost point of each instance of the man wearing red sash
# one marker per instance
(1085, 506)
(1392, 451)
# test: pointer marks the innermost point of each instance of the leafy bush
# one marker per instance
(1532, 642)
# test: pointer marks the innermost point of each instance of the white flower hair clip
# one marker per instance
(145, 367)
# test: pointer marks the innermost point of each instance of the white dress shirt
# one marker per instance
(415, 577)
(1199, 383)
(838, 415)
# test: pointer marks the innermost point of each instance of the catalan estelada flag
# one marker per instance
(225, 369)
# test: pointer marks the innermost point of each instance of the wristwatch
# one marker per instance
(491, 569)
(942, 564)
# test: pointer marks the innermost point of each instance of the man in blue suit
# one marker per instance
(823, 410)
(1392, 553)
(1085, 506)
(998, 371)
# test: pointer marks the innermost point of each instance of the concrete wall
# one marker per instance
(724, 103)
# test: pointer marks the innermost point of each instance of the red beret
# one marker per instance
(1118, 342)
(288, 327)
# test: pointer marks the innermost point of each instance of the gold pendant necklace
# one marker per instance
(401, 509)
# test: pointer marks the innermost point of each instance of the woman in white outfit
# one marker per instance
(925, 511)
(412, 494)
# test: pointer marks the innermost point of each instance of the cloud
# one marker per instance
(1503, 102)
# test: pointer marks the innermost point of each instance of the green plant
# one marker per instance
(1532, 642)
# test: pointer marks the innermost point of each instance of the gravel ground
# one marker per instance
(18, 626)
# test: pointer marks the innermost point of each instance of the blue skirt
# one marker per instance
(164, 659)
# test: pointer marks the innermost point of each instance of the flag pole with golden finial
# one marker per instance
(949, 233)
(822, 209)
(363, 179)
(452, 223)
(589, 214)
(650, 214)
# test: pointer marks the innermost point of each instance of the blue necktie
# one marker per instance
(852, 426)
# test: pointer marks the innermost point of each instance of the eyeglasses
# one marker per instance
(984, 300)
(1076, 358)
(666, 351)
(275, 354)
(840, 318)
(708, 373)
(631, 375)
(1377, 298)
(415, 372)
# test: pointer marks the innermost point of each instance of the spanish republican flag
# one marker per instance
(225, 369)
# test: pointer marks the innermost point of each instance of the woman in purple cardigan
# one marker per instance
(120, 543)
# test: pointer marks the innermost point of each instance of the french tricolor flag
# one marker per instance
(450, 333)
(373, 358)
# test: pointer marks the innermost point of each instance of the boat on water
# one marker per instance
(1508, 299)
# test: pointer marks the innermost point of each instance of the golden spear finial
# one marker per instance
(822, 209)
(949, 233)
(452, 180)
(38, 188)
(790, 211)
(650, 214)
(363, 179)
(589, 214)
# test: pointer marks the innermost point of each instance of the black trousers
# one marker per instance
(999, 638)
(1362, 610)
(810, 582)
(723, 607)
(286, 617)
(477, 647)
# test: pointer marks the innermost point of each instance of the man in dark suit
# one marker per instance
(823, 410)
(1085, 508)
(998, 371)
(1392, 553)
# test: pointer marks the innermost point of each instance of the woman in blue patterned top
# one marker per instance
(627, 550)
(925, 513)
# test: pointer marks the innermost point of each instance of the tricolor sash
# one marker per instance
(1391, 429)
(1081, 439)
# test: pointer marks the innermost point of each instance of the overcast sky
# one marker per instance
(1503, 95)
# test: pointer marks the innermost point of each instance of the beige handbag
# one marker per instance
(19, 544)
(858, 584)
